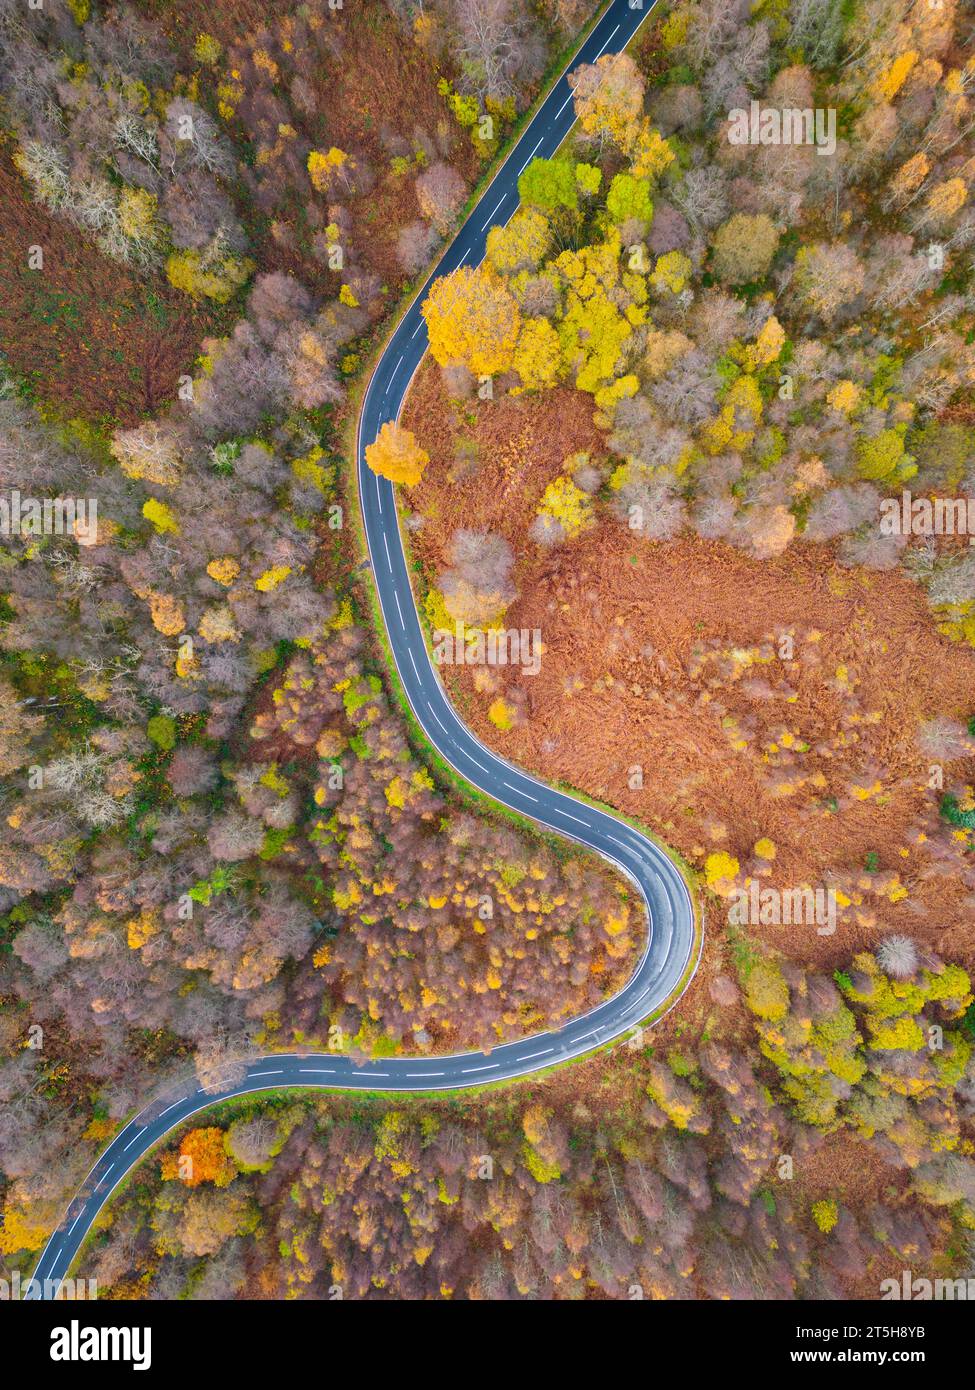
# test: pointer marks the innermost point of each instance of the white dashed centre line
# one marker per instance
(519, 791)
(608, 41)
(488, 222)
(438, 719)
(531, 156)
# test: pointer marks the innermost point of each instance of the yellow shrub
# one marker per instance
(160, 515)
(720, 867)
(271, 578)
(224, 571)
(204, 276)
(568, 504)
(501, 714)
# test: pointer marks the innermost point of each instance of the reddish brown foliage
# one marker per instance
(621, 619)
(90, 336)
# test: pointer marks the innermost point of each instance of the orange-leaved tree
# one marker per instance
(396, 455)
(201, 1157)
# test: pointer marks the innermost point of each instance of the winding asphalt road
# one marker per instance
(659, 976)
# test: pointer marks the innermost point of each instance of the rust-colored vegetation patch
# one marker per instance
(183, 20)
(384, 82)
(376, 90)
(719, 700)
(842, 1164)
(90, 337)
(843, 1169)
(490, 461)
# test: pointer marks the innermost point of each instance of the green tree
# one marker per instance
(629, 197)
(549, 184)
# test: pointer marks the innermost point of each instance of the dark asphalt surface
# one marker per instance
(670, 947)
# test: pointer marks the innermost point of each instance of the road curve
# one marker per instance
(663, 968)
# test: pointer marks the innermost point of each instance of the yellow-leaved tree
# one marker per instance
(609, 98)
(538, 356)
(602, 305)
(522, 244)
(397, 456)
(472, 318)
(329, 169)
